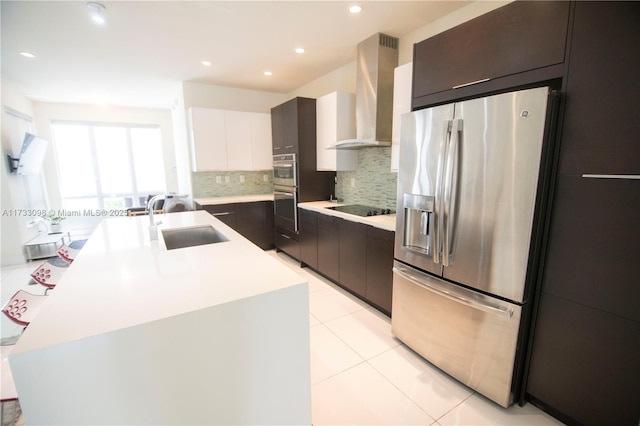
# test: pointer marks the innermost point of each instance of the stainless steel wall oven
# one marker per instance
(285, 191)
(285, 202)
(285, 171)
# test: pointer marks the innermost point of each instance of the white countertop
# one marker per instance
(386, 222)
(204, 201)
(121, 279)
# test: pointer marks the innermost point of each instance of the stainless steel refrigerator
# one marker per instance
(470, 189)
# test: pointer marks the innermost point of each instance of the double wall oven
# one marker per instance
(285, 192)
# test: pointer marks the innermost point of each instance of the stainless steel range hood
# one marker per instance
(376, 60)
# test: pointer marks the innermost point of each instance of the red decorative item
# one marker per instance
(23, 307)
(49, 273)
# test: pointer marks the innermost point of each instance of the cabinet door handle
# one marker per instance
(286, 236)
(289, 146)
(627, 177)
(471, 83)
(220, 214)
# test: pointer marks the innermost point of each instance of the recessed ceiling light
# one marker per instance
(96, 12)
(206, 63)
(355, 9)
(299, 50)
(28, 55)
(268, 73)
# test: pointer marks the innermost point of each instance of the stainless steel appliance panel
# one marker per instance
(285, 170)
(285, 205)
(489, 192)
(470, 336)
(423, 139)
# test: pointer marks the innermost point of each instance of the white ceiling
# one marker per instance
(146, 48)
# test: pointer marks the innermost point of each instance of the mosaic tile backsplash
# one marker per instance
(375, 184)
(205, 184)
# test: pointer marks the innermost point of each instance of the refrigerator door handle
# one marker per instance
(449, 192)
(438, 205)
(482, 306)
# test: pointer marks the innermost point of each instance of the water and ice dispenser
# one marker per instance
(419, 223)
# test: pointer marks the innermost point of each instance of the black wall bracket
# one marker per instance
(13, 163)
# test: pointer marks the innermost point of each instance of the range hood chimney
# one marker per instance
(376, 60)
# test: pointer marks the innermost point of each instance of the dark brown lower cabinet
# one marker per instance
(329, 246)
(353, 256)
(254, 220)
(226, 213)
(288, 242)
(379, 268)
(308, 237)
(585, 364)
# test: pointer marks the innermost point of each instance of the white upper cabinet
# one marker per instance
(261, 141)
(401, 105)
(335, 121)
(229, 140)
(239, 144)
(208, 139)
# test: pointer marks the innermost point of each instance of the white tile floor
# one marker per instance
(360, 373)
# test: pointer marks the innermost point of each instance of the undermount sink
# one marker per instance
(191, 236)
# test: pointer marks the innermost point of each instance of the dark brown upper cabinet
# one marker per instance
(516, 38)
(293, 124)
(601, 127)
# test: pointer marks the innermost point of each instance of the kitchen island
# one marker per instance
(138, 334)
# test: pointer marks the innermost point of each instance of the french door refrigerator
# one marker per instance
(470, 184)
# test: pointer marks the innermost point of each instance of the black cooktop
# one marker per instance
(360, 210)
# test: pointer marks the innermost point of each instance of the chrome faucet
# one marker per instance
(153, 226)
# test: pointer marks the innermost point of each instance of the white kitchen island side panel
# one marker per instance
(241, 362)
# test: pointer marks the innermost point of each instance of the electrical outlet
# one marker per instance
(227, 179)
(353, 182)
(241, 178)
(218, 179)
(265, 178)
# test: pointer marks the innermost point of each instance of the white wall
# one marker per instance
(209, 96)
(13, 227)
(342, 79)
(181, 143)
